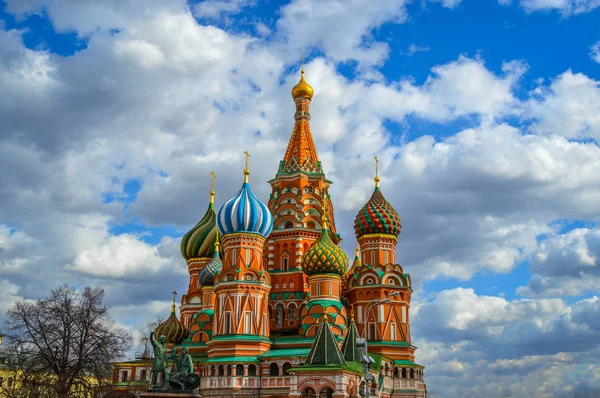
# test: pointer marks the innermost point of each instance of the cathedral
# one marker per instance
(274, 308)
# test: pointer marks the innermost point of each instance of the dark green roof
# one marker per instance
(353, 367)
(231, 359)
(349, 348)
(404, 362)
(286, 352)
(325, 350)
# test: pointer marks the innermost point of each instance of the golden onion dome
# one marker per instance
(302, 89)
(172, 329)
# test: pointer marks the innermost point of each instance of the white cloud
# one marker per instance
(448, 3)
(568, 106)
(342, 29)
(413, 49)
(595, 52)
(215, 9)
(567, 264)
(565, 7)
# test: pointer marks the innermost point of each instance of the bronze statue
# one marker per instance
(160, 363)
(182, 372)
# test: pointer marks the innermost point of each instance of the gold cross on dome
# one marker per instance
(377, 179)
(212, 186)
(174, 295)
(246, 170)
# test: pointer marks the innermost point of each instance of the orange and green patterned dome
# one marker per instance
(200, 241)
(324, 257)
(377, 216)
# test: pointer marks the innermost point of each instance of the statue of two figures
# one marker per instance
(181, 376)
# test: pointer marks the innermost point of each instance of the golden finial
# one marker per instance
(377, 179)
(217, 244)
(173, 306)
(352, 313)
(357, 250)
(325, 211)
(302, 89)
(212, 187)
(246, 170)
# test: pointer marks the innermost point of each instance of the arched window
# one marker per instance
(371, 331)
(309, 392)
(326, 393)
(311, 225)
(252, 370)
(213, 371)
(412, 373)
(273, 369)
(286, 368)
(229, 370)
(239, 370)
(404, 373)
(221, 370)
(395, 373)
(292, 311)
(284, 263)
(289, 225)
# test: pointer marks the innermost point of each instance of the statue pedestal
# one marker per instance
(169, 394)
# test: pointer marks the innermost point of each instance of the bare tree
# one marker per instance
(63, 344)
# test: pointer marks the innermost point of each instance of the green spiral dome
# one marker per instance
(200, 240)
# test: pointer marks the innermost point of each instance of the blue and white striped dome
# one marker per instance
(245, 213)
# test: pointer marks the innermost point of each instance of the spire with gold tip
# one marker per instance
(302, 89)
(377, 216)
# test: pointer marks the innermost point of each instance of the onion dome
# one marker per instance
(377, 216)
(302, 89)
(172, 329)
(324, 257)
(200, 241)
(245, 212)
(206, 276)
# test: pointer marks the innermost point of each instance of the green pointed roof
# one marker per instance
(200, 240)
(349, 348)
(325, 350)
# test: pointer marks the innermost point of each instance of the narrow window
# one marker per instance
(318, 289)
(393, 331)
(233, 256)
(248, 322)
(372, 258)
(330, 289)
(284, 266)
(359, 314)
(371, 331)
(124, 375)
(247, 256)
(386, 257)
(143, 374)
(227, 322)
(403, 314)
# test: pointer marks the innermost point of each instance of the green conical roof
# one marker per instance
(325, 350)
(349, 348)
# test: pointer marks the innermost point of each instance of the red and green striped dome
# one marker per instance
(377, 216)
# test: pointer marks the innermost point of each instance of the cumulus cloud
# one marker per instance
(564, 265)
(568, 106)
(468, 338)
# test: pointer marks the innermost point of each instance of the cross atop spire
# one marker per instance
(212, 187)
(246, 170)
(377, 179)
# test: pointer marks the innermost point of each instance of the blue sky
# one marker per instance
(484, 115)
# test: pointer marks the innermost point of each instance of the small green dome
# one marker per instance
(200, 240)
(324, 257)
